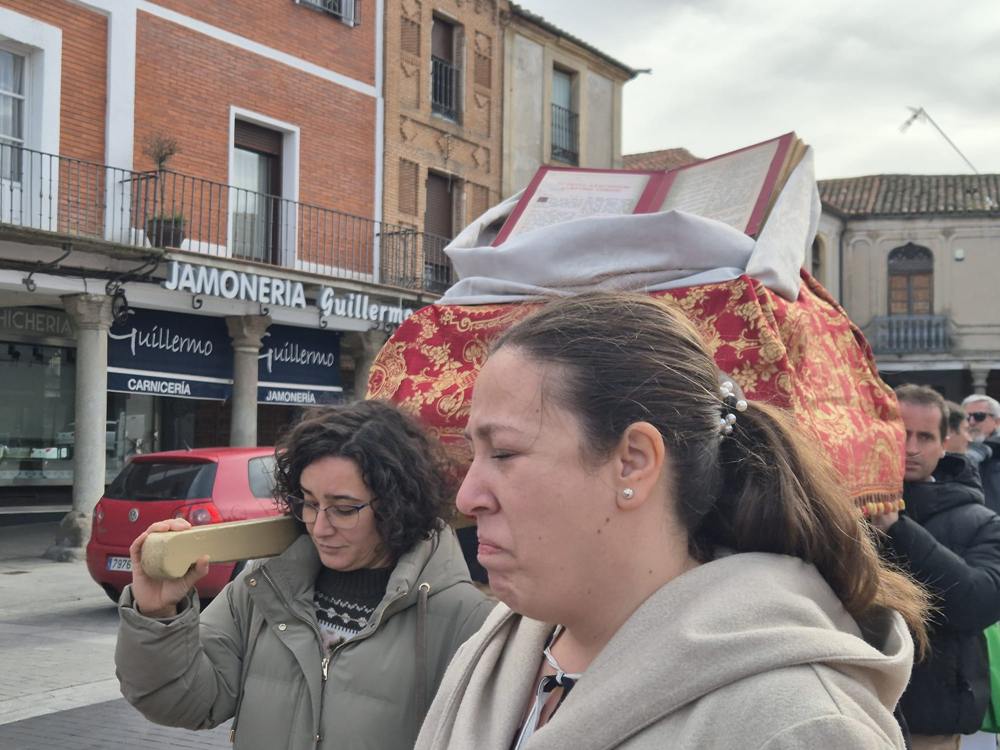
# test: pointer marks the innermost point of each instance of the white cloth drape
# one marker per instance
(638, 252)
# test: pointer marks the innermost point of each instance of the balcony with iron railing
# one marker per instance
(74, 200)
(565, 145)
(446, 89)
(911, 334)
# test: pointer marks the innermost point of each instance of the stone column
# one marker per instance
(91, 317)
(246, 332)
(979, 377)
(370, 342)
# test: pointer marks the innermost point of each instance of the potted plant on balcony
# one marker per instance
(165, 226)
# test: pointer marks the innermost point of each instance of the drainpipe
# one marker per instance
(840, 263)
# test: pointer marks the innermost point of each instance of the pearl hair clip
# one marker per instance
(731, 403)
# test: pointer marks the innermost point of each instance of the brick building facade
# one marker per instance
(258, 236)
(443, 96)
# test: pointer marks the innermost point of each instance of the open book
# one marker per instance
(737, 188)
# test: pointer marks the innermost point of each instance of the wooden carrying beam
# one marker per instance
(169, 554)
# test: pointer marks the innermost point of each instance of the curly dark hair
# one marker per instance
(404, 467)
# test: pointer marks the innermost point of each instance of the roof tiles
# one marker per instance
(911, 195)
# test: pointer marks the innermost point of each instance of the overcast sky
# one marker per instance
(841, 73)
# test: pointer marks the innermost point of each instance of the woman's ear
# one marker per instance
(640, 457)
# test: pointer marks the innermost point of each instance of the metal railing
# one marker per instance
(911, 334)
(76, 199)
(346, 10)
(445, 88)
(565, 146)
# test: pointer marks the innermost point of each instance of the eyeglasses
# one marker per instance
(339, 516)
(977, 416)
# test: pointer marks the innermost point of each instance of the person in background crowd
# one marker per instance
(950, 542)
(677, 567)
(958, 438)
(339, 642)
(983, 414)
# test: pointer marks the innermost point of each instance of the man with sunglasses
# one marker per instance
(983, 415)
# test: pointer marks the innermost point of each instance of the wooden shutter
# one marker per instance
(443, 41)
(408, 172)
(255, 138)
(438, 214)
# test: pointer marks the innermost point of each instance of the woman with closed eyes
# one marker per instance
(342, 640)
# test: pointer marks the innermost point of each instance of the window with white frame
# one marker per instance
(12, 109)
(345, 10)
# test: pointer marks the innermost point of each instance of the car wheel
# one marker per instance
(113, 593)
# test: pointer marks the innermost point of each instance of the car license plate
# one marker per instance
(120, 563)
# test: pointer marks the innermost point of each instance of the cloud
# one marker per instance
(730, 72)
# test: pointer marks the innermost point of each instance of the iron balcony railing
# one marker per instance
(76, 199)
(911, 334)
(565, 146)
(348, 11)
(445, 88)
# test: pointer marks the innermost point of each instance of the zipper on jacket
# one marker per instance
(317, 737)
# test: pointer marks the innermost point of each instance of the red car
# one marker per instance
(204, 485)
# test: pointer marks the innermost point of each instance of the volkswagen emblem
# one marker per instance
(133, 515)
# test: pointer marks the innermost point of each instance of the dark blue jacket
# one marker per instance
(950, 542)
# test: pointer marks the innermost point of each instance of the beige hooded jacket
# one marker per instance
(751, 651)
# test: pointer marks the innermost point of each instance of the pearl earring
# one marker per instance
(628, 493)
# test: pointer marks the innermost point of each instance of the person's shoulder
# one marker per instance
(460, 595)
(805, 705)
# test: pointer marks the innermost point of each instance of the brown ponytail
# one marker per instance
(626, 358)
(780, 495)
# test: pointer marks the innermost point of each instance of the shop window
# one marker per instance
(37, 413)
(911, 280)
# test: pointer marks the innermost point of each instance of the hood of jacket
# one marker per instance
(721, 623)
(436, 561)
(958, 467)
(958, 485)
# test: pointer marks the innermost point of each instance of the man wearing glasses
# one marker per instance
(983, 415)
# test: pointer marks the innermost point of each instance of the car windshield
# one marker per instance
(164, 480)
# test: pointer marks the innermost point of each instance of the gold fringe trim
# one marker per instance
(877, 504)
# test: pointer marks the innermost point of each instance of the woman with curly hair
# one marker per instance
(340, 641)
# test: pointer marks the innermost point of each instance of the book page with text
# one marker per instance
(724, 189)
(566, 195)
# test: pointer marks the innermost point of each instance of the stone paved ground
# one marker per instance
(57, 638)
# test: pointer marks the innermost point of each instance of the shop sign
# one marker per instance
(271, 290)
(170, 354)
(33, 321)
(249, 287)
(299, 367)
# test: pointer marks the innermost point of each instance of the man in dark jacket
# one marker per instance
(950, 542)
(983, 415)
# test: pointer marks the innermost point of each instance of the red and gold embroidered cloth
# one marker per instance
(805, 356)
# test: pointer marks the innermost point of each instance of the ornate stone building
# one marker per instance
(443, 103)
(915, 260)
